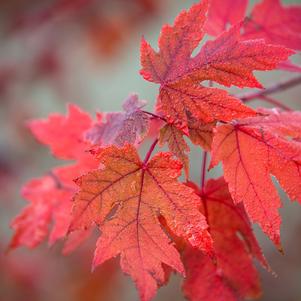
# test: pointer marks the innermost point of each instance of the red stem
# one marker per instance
(203, 181)
(274, 102)
(203, 175)
(150, 151)
(155, 115)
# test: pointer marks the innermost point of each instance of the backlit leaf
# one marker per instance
(226, 60)
(276, 23)
(252, 150)
(125, 199)
(130, 126)
(233, 276)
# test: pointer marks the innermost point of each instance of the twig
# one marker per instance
(154, 115)
(274, 102)
(269, 90)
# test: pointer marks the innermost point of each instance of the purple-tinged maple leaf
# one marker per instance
(129, 126)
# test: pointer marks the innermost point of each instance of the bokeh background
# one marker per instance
(87, 52)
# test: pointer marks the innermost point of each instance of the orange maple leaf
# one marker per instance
(125, 199)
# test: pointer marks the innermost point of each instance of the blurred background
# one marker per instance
(87, 52)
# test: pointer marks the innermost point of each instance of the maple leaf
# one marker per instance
(130, 126)
(50, 203)
(31, 226)
(284, 123)
(233, 276)
(176, 143)
(275, 23)
(227, 60)
(50, 196)
(252, 150)
(222, 13)
(199, 133)
(125, 199)
(63, 134)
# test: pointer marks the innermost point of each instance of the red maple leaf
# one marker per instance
(50, 196)
(125, 199)
(233, 276)
(63, 134)
(223, 13)
(49, 203)
(252, 150)
(264, 22)
(275, 23)
(32, 225)
(227, 60)
(199, 133)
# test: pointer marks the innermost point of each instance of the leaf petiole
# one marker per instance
(150, 151)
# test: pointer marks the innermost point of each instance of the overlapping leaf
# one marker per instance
(176, 143)
(32, 225)
(50, 196)
(227, 60)
(63, 134)
(223, 13)
(233, 276)
(275, 23)
(48, 213)
(283, 123)
(130, 126)
(199, 133)
(125, 198)
(265, 20)
(252, 150)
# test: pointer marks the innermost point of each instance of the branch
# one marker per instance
(154, 115)
(274, 102)
(269, 90)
